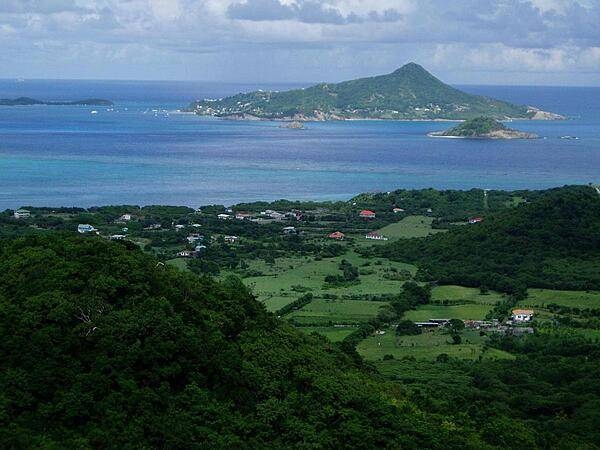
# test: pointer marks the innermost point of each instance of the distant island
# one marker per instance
(26, 101)
(483, 128)
(409, 93)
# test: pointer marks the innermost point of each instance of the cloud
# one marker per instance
(307, 11)
(298, 39)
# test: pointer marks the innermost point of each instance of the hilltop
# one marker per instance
(483, 128)
(27, 101)
(409, 93)
(551, 242)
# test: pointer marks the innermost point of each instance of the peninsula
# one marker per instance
(409, 93)
(483, 128)
(27, 101)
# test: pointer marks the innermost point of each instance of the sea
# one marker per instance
(144, 151)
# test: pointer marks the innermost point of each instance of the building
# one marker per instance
(375, 236)
(22, 214)
(199, 248)
(367, 214)
(230, 239)
(289, 230)
(125, 218)
(224, 216)
(194, 237)
(338, 235)
(475, 219)
(117, 237)
(85, 228)
(179, 227)
(243, 215)
(522, 315)
(397, 210)
(186, 254)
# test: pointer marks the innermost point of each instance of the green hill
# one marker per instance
(103, 347)
(483, 128)
(550, 242)
(408, 93)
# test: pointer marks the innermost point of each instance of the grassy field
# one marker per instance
(180, 263)
(573, 299)
(465, 312)
(289, 278)
(334, 334)
(426, 346)
(323, 311)
(461, 294)
(410, 227)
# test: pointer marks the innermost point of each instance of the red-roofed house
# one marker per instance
(337, 235)
(367, 214)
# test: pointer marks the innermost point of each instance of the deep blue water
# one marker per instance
(68, 156)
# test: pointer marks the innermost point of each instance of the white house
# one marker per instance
(522, 315)
(125, 218)
(117, 237)
(22, 214)
(230, 239)
(224, 216)
(375, 236)
(85, 228)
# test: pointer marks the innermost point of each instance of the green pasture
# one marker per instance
(323, 311)
(461, 294)
(426, 346)
(572, 299)
(464, 312)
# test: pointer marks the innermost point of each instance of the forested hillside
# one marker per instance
(551, 242)
(104, 347)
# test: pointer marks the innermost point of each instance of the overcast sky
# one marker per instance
(461, 41)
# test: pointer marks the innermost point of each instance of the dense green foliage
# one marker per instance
(548, 397)
(104, 347)
(478, 126)
(551, 242)
(408, 93)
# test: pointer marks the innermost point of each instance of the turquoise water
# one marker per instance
(65, 156)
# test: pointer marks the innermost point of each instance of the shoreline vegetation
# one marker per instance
(409, 93)
(27, 101)
(482, 128)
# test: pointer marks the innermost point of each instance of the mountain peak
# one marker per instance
(411, 67)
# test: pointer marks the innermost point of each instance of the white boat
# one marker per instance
(94, 112)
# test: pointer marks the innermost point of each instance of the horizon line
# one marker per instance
(309, 83)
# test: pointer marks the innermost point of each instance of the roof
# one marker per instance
(522, 311)
(367, 212)
(336, 234)
(373, 233)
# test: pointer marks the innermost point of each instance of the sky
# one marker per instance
(530, 42)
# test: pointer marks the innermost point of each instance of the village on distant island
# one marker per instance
(409, 93)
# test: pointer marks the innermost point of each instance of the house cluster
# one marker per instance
(512, 326)
(22, 214)
(268, 215)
